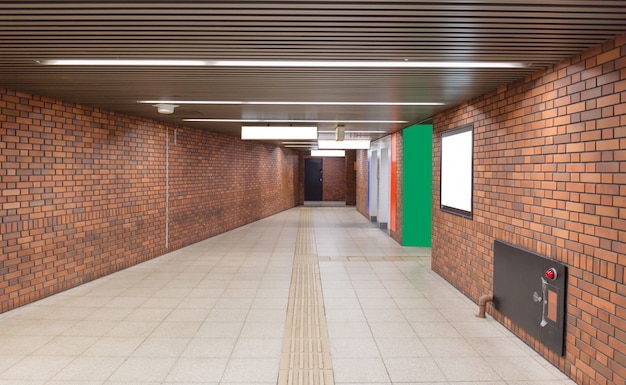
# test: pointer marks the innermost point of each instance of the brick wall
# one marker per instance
(83, 191)
(362, 183)
(550, 177)
(397, 234)
(350, 177)
(334, 179)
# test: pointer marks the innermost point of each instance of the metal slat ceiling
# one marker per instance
(538, 32)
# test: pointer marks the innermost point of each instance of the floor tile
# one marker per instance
(36, 368)
(414, 369)
(353, 348)
(89, 369)
(214, 313)
(401, 347)
(251, 370)
(144, 369)
(467, 369)
(258, 348)
(359, 370)
(197, 370)
(161, 347)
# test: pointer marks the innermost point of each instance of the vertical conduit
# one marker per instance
(167, 187)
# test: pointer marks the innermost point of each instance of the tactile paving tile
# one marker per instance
(306, 349)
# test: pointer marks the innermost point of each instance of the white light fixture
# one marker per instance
(290, 103)
(364, 64)
(355, 131)
(328, 153)
(297, 121)
(164, 108)
(113, 62)
(352, 144)
(278, 133)
(285, 63)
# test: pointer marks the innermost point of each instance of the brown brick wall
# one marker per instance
(83, 191)
(362, 183)
(350, 177)
(397, 234)
(334, 179)
(550, 176)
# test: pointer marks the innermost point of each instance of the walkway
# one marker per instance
(308, 296)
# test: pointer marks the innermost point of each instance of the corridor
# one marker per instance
(313, 295)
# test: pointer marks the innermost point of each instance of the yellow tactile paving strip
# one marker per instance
(306, 349)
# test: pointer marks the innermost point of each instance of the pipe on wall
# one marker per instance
(482, 304)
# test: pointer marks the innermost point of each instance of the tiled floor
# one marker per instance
(215, 313)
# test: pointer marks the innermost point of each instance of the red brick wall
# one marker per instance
(334, 179)
(350, 177)
(550, 176)
(397, 234)
(362, 183)
(83, 191)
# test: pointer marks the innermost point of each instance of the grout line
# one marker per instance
(305, 357)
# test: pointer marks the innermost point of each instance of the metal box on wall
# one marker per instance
(531, 291)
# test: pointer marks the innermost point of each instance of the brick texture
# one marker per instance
(84, 192)
(362, 183)
(397, 234)
(350, 177)
(334, 179)
(550, 176)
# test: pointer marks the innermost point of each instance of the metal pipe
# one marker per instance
(482, 304)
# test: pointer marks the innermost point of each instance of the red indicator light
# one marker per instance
(551, 274)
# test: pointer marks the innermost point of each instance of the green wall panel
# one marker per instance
(417, 185)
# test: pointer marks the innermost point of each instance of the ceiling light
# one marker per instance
(164, 108)
(285, 63)
(328, 153)
(113, 62)
(278, 133)
(291, 103)
(356, 131)
(364, 64)
(298, 121)
(353, 144)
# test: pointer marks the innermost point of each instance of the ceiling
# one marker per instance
(537, 33)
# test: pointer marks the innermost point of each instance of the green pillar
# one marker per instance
(417, 185)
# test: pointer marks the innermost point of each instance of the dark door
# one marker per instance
(313, 179)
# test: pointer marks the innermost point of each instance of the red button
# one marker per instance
(551, 274)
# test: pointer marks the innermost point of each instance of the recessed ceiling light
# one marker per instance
(291, 103)
(278, 133)
(328, 153)
(113, 62)
(355, 132)
(365, 64)
(297, 121)
(352, 144)
(285, 63)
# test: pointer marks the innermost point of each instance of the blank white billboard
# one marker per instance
(457, 149)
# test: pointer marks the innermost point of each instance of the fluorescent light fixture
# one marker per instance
(334, 153)
(352, 144)
(113, 62)
(285, 63)
(290, 103)
(364, 64)
(298, 121)
(356, 131)
(278, 133)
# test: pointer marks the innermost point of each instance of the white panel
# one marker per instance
(456, 170)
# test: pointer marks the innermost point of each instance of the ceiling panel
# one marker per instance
(540, 33)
